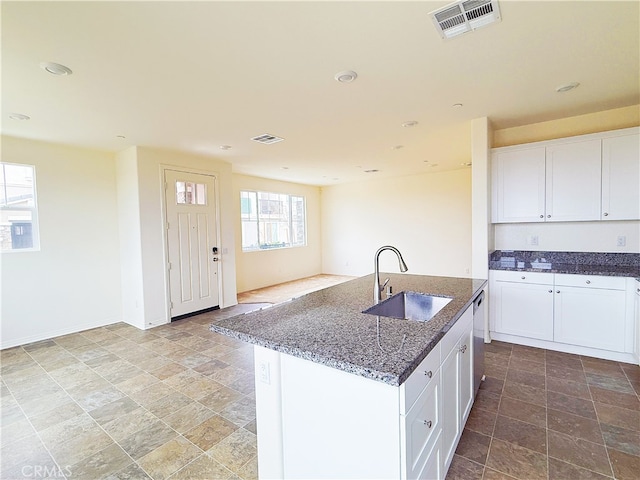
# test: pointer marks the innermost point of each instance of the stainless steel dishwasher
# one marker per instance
(478, 341)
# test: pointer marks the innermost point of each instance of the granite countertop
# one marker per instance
(605, 264)
(328, 327)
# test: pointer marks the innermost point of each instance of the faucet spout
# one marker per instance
(377, 288)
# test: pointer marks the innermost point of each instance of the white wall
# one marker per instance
(270, 267)
(130, 237)
(427, 217)
(73, 282)
(482, 240)
(569, 236)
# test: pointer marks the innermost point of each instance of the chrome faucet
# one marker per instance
(377, 288)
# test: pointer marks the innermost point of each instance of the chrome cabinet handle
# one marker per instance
(550, 291)
(428, 423)
(463, 348)
(548, 216)
(557, 291)
(541, 216)
(215, 259)
(588, 282)
(522, 278)
(428, 373)
(606, 214)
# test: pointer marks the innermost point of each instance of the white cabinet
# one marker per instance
(519, 185)
(586, 178)
(621, 177)
(457, 384)
(573, 181)
(590, 311)
(587, 315)
(522, 304)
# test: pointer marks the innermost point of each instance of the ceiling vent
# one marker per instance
(462, 17)
(267, 139)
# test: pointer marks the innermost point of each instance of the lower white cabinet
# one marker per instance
(523, 304)
(583, 314)
(317, 422)
(590, 314)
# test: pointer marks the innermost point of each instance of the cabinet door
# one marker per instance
(450, 405)
(466, 375)
(573, 187)
(523, 309)
(518, 186)
(421, 428)
(621, 178)
(590, 317)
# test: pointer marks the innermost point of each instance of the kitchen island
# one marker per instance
(343, 394)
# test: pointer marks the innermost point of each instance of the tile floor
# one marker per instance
(177, 402)
(550, 415)
(116, 402)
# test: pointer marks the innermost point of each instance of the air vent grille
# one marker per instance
(267, 139)
(464, 16)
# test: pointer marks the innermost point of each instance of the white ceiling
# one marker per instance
(192, 76)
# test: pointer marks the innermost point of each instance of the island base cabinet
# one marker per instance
(318, 422)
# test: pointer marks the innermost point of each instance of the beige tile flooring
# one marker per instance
(178, 402)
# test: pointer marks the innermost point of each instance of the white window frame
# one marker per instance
(260, 248)
(35, 226)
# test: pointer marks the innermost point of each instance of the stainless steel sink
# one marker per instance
(409, 306)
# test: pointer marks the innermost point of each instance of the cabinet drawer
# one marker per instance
(590, 281)
(421, 427)
(419, 379)
(522, 277)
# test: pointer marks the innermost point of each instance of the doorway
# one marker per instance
(192, 242)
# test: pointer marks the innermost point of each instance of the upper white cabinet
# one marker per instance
(621, 177)
(519, 185)
(573, 181)
(586, 178)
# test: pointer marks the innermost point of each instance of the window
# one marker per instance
(189, 193)
(18, 208)
(272, 220)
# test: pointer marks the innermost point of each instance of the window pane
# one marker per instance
(16, 229)
(181, 189)
(17, 186)
(271, 220)
(201, 194)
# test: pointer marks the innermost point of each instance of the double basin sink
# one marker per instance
(409, 306)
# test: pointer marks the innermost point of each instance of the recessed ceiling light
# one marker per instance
(373, 170)
(285, 168)
(432, 165)
(457, 105)
(397, 147)
(410, 123)
(55, 68)
(466, 164)
(225, 147)
(567, 87)
(19, 116)
(347, 76)
(121, 136)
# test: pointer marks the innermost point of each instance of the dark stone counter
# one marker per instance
(328, 327)
(605, 264)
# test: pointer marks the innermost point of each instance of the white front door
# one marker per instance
(191, 241)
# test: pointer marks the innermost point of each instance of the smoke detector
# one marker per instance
(464, 16)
